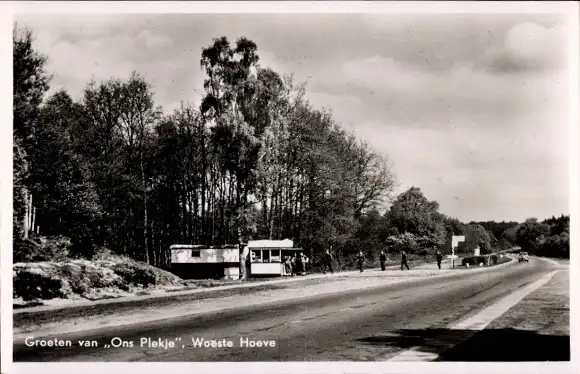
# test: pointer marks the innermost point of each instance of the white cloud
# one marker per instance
(431, 93)
(461, 83)
(86, 26)
(75, 61)
(151, 40)
(326, 100)
(476, 173)
(530, 46)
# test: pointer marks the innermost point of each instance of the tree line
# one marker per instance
(253, 160)
(550, 237)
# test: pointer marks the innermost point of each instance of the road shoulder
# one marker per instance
(538, 327)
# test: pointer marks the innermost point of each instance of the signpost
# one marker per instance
(455, 240)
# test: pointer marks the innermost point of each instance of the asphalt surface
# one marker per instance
(363, 325)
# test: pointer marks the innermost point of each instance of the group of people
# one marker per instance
(327, 261)
(295, 264)
(360, 259)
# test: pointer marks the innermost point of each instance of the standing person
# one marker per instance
(299, 264)
(305, 261)
(439, 259)
(288, 265)
(293, 265)
(328, 261)
(360, 259)
(244, 263)
(383, 259)
(404, 260)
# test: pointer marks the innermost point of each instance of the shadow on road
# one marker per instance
(487, 345)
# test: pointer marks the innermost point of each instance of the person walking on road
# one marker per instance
(328, 261)
(383, 259)
(404, 260)
(360, 259)
(439, 259)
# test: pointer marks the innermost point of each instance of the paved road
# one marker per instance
(364, 325)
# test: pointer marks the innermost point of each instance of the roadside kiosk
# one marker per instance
(267, 256)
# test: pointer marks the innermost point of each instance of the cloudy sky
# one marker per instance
(471, 109)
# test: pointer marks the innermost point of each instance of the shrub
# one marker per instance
(78, 286)
(70, 270)
(476, 260)
(47, 249)
(32, 286)
(97, 280)
(406, 241)
(24, 251)
(135, 274)
(74, 276)
(470, 260)
(422, 252)
(85, 249)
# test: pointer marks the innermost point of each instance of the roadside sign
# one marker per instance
(455, 240)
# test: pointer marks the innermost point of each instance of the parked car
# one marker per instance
(523, 257)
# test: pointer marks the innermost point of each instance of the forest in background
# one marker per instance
(254, 160)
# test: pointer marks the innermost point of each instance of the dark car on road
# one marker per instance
(523, 257)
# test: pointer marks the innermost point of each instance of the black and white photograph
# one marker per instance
(271, 186)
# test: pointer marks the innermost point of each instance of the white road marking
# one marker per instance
(477, 322)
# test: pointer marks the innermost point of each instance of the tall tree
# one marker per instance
(478, 236)
(103, 148)
(66, 198)
(30, 83)
(138, 115)
(228, 90)
(413, 213)
(531, 235)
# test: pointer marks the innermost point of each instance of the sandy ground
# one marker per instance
(254, 296)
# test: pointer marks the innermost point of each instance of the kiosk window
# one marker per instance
(276, 255)
(266, 254)
(257, 256)
(195, 253)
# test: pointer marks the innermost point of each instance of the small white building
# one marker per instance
(267, 256)
(201, 262)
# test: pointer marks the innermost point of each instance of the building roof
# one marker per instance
(286, 243)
